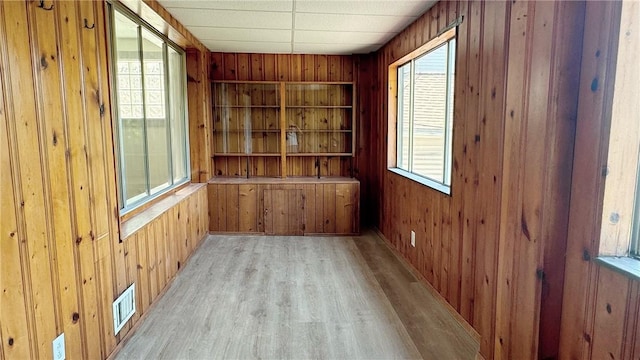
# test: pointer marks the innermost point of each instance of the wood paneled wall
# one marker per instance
(601, 312)
(494, 248)
(62, 263)
(153, 253)
(327, 206)
(200, 119)
(281, 67)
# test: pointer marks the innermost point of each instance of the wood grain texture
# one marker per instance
(199, 106)
(284, 206)
(284, 67)
(298, 297)
(600, 311)
(494, 247)
(62, 260)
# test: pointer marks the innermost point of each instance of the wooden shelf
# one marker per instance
(322, 131)
(312, 97)
(319, 107)
(247, 155)
(247, 107)
(278, 82)
(258, 82)
(276, 131)
(319, 154)
(289, 180)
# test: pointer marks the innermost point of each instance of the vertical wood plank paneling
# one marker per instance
(344, 208)
(445, 249)
(329, 208)
(461, 239)
(471, 151)
(15, 328)
(153, 241)
(232, 208)
(310, 209)
(247, 205)
(104, 159)
(68, 25)
(32, 177)
(458, 178)
(599, 313)
(489, 136)
(319, 201)
(59, 151)
(519, 46)
(62, 263)
(609, 311)
(196, 116)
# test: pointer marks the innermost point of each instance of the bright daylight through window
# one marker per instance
(424, 113)
(149, 81)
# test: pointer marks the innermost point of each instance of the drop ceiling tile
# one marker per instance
(233, 18)
(244, 5)
(344, 37)
(333, 49)
(341, 22)
(365, 7)
(235, 34)
(248, 47)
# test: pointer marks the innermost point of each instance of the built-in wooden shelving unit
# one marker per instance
(283, 119)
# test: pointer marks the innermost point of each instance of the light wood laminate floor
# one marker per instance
(250, 297)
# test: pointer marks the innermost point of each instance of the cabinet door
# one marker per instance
(283, 212)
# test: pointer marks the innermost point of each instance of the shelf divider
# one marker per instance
(283, 134)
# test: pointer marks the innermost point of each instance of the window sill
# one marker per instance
(625, 265)
(422, 180)
(141, 219)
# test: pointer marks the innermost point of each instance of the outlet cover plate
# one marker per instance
(413, 238)
(58, 348)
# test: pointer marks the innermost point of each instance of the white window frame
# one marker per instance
(151, 193)
(394, 141)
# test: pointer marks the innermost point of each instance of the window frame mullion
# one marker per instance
(144, 112)
(165, 59)
(411, 111)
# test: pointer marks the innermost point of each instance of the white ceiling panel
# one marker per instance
(296, 26)
(237, 34)
(249, 47)
(233, 18)
(344, 37)
(340, 22)
(361, 7)
(244, 5)
(333, 49)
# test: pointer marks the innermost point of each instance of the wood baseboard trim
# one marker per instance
(432, 290)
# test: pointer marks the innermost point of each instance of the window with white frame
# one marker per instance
(149, 97)
(422, 92)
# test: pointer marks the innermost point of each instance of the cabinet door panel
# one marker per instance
(283, 212)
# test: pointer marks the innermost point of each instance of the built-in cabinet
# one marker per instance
(284, 121)
(275, 130)
(292, 206)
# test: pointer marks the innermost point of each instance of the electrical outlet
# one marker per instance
(413, 238)
(58, 348)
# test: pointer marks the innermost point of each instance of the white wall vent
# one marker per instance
(123, 308)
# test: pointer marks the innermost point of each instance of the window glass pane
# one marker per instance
(404, 107)
(429, 114)
(156, 108)
(177, 114)
(130, 109)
